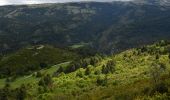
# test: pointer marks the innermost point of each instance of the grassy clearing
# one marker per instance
(75, 46)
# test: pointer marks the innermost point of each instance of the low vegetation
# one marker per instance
(33, 58)
(136, 74)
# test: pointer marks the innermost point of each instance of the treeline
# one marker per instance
(161, 47)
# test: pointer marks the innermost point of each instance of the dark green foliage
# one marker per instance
(160, 48)
(45, 84)
(7, 80)
(46, 81)
(80, 74)
(13, 94)
(162, 43)
(88, 70)
(143, 49)
(83, 63)
(155, 72)
(33, 58)
(60, 70)
(157, 56)
(41, 83)
(4, 94)
(162, 66)
(101, 81)
(97, 72)
(39, 74)
(109, 67)
(43, 65)
(169, 56)
(161, 88)
(85, 51)
(21, 93)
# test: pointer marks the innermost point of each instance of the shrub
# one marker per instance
(39, 74)
(109, 67)
(161, 88)
(88, 70)
(79, 74)
(97, 72)
(21, 92)
(101, 81)
(157, 56)
(45, 81)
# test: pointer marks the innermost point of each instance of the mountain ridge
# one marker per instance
(106, 27)
(153, 2)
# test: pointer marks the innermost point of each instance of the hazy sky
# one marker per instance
(10, 2)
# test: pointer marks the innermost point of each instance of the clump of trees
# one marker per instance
(109, 67)
(80, 74)
(7, 93)
(162, 45)
(156, 73)
(45, 83)
(102, 80)
(80, 63)
(21, 92)
(88, 70)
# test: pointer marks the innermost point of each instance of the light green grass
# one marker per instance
(30, 78)
(75, 46)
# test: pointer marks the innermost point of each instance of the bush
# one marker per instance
(79, 74)
(88, 70)
(161, 88)
(39, 74)
(97, 72)
(45, 81)
(101, 81)
(21, 92)
(109, 67)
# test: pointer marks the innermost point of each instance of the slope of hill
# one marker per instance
(135, 74)
(33, 58)
(118, 24)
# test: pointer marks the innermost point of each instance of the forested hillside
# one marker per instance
(139, 73)
(33, 58)
(107, 27)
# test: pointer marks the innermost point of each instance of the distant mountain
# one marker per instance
(153, 2)
(107, 27)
